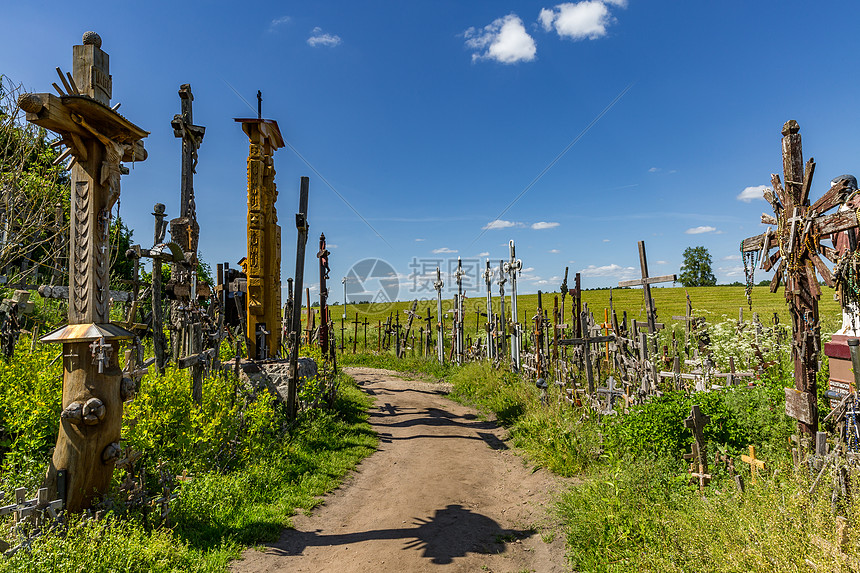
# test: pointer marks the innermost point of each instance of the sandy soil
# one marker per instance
(443, 492)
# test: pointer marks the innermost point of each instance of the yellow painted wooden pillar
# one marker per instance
(263, 264)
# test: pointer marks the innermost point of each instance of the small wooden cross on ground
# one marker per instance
(612, 392)
(645, 282)
(755, 464)
(800, 228)
(699, 455)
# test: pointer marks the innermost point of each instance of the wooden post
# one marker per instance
(302, 231)
(322, 255)
(355, 334)
(158, 342)
(99, 140)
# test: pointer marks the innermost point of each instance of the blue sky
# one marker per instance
(430, 118)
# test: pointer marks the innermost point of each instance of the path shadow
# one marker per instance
(450, 533)
(432, 417)
(491, 440)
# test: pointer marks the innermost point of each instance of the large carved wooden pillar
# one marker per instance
(98, 138)
(263, 264)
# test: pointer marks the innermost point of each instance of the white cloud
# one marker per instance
(662, 262)
(443, 250)
(554, 251)
(528, 270)
(700, 230)
(330, 246)
(579, 20)
(278, 22)
(505, 41)
(750, 193)
(540, 225)
(318, 38)
(731, 258)
(605, 240)
(731, 271)
(484, 254)
(612, 270)
(654, 170)
(500, 224)
(419, 240)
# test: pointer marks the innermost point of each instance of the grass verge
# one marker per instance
(219, 512)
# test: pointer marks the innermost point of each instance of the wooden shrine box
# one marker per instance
(841, 373)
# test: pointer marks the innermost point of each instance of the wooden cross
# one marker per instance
(611, 393)
(191, 136)
(689, 322)
(755, 464)
(800, 227)
(696, 422)
(356, 322)
(645, 282)
(607, 327)
(99, 139)
(586, 341)
(697, 469)
(411, 312)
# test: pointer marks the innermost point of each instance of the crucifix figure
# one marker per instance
(186, 315)
(459, 327)
(400, 351)
(99, 139)
(799, 230)
(440, 344)
(488, 280)
(512, 267)
(646, 282)
(503, 319)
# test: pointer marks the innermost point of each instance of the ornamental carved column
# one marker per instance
(263, 262)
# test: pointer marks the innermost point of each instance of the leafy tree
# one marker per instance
(696, 270)
(34, 194)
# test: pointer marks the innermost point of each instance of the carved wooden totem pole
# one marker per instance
(263, 264)
(99, 139)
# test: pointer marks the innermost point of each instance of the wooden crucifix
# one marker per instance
(401, 349)
(586, 341)
(696, 422)
(186, 323)
(99, 139)
(645, 282)
(323, 255)
(799, 230)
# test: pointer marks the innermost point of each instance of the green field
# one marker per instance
(716, 304)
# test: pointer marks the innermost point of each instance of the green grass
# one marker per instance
(226, 506)
(716, 304)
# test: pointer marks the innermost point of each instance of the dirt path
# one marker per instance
(441, 493)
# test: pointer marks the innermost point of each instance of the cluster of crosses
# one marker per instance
(242, 305)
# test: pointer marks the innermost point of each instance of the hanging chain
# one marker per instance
(750, 262)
